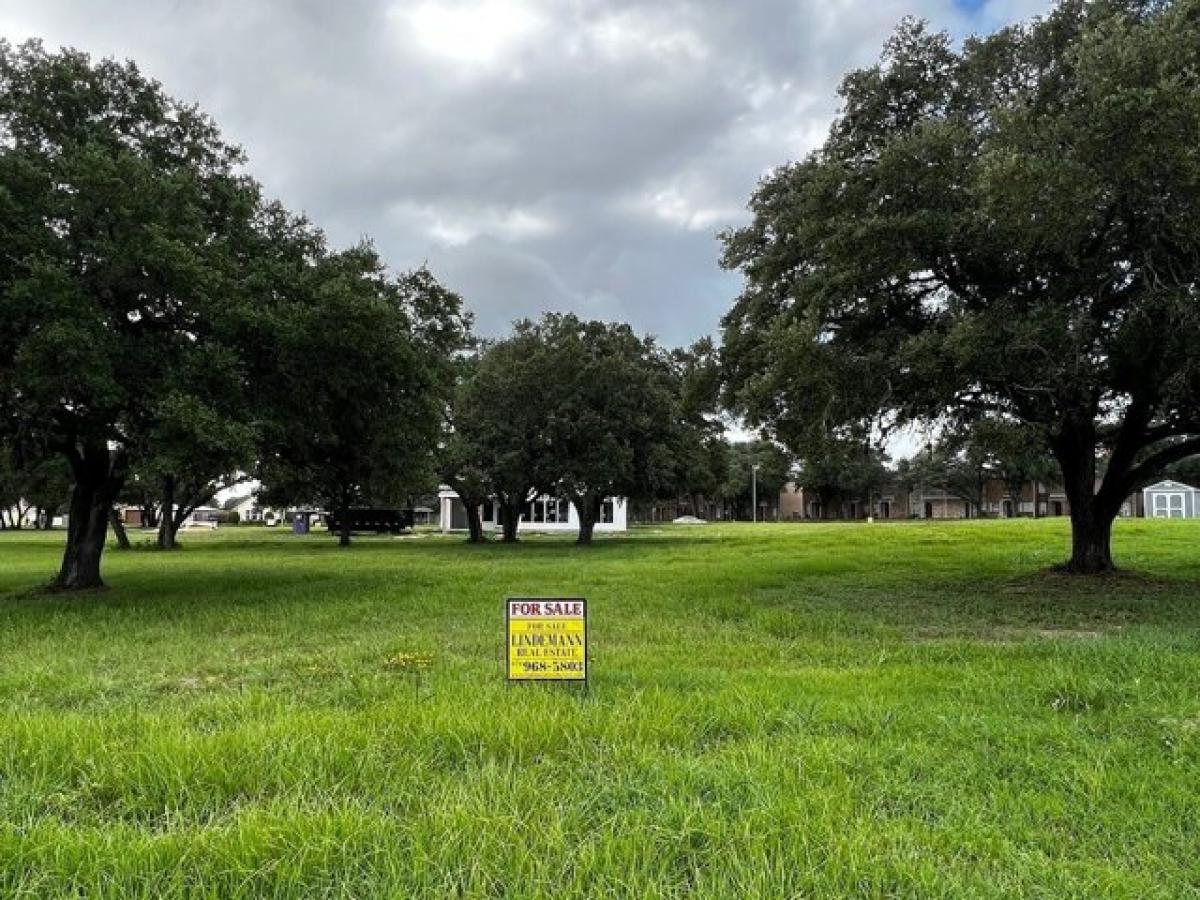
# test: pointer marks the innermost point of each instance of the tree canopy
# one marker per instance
(359, 389)
(1007, 228)
(742, 481)
(122, 214)
(159, 318)
(840, 470)
(582, 410)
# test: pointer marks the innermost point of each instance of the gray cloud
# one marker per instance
(549, 154)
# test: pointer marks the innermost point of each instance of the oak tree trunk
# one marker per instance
(98, 476)
(474, 522)
(167, 526)
(344, 530)
(87, 528)
(510, 519)
(118, 527)
(1091, 515)
(588, 507)
(1091, 540)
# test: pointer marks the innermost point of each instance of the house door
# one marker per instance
(928, 509)
(885, 509)
(1056, 508)
(1168, 506)
(1008, 512)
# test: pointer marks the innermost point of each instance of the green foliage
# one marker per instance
(360, 384)
(1186, 470)
(159, 321)
(123, 217)
(965, 459)
(125, 223)
(609, 411)
(573, 408)
(500, 421)
(1006, 229)
(695, 453)
(903, 709)
(839, 469)
(774, 472)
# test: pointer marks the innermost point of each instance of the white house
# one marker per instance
(247, 507)
(547, 514)
(202, 517)
(1171, 500)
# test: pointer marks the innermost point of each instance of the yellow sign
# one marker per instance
(547, 639)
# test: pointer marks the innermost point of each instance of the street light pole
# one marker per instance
(754, 493)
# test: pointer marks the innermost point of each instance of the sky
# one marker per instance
(538, 155)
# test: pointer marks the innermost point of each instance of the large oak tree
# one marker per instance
(610, 407)
(123, 219)
(363, 372)
(1007, 228)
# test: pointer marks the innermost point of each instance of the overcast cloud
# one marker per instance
(540, 155)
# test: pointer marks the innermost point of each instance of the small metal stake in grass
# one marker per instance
(413, 665)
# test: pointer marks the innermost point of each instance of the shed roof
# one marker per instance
(1169, 485)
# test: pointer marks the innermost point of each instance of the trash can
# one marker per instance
(300, 524)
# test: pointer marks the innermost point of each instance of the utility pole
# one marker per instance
(754, 493)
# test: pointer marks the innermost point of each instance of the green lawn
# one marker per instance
(906, 710)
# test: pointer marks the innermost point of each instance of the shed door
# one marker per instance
(1168, 506)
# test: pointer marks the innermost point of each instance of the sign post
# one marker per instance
(546, 638)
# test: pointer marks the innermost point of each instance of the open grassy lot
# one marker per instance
(907, 710)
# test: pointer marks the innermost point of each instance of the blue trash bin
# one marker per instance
(300, 525)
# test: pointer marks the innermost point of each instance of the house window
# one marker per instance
(546, 510)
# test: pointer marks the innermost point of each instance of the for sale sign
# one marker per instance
(547, 639)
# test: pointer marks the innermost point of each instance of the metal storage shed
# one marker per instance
(1172, 500)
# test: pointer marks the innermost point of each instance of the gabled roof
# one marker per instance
(1169, 485)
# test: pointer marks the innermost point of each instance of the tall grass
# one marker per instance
(818, 710)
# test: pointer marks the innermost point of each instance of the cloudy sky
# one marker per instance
(538, 154)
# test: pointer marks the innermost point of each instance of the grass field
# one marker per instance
(909, 710)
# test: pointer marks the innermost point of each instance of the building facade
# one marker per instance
(542, 514)
(894, 501)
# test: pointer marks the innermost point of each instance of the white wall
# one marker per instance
(447, 497)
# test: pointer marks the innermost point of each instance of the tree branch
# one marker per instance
(1141, 474)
